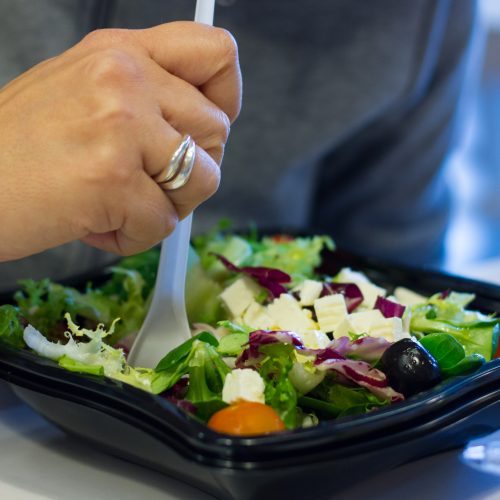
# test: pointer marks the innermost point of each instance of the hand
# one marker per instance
(83, 134)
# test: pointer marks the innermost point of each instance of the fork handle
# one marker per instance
(167, 311)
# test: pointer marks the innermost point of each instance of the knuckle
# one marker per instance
(228, 46)
(170, 221)
(105, 37)
(116, 114)
(110, 166)
(224, 127)
(159, 224)
(219, 136)
(214, 127)
(112, 67)
(211, 182)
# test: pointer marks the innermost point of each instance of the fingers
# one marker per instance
(188, 111)
(149, 217)
(202, 184)
(159, 146)
(204, 56)
(192, 68)
(105, 118)
(183, 110)
(172, 80)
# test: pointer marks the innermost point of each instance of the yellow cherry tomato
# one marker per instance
(246, 418)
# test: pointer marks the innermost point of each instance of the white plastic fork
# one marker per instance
(166, 324)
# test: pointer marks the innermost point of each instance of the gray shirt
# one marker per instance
(348, 114)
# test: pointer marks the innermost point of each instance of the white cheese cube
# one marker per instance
(368, 289)
(238, 296)
(256, 317)
(243, 385)
(358, 323)
(408, 297)
(330, 310)
(347, 275)
(287, 314)
(390, 329)
(309, 291)
(314, 339)
(370, 293)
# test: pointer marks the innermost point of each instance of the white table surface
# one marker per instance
(38, 461)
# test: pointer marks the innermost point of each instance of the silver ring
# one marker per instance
(180, 166)
(183, 173)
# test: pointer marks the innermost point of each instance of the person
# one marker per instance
(350, 113)
(86, 136)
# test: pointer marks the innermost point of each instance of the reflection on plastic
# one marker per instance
(484, 454)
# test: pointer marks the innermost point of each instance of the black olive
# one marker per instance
(409, 367)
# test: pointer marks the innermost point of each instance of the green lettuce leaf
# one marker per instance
(297, 257)
(450, 354)
(203, 304)
(476, 332)
(44, 303)
(332, 400)
(11, 327)
(199, 360)
(279, 391)
(232, 344)
(92, 355)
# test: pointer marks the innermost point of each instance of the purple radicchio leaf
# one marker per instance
(388, 308)
(365, 348)
(186, 405)
(269, 278)
(176, 395)
(368, 349)
(251, 356)
(327, 353)
(351, 292)
(362, 374)
(444, 294)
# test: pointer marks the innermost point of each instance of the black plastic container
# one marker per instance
(305, 463)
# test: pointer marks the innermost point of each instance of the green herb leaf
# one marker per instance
(450, 354)
(177, 355)
(445, 349)
(232, 344)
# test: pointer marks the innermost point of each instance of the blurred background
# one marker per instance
(474, 169)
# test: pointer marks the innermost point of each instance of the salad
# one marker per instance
(276, 344)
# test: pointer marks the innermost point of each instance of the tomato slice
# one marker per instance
(246, 418)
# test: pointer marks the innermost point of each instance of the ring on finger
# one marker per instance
(173, 166)
(184, 172)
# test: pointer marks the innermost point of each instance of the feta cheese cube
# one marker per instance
(330, 311)
(408, 297)
(390, 329)
(347, 275)
(368, 289)
(286, 314)
(314, 339)
(370, 293)
(309, 291)
(256, 317)
(238, 296)
(243, 385)
(358, 323)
